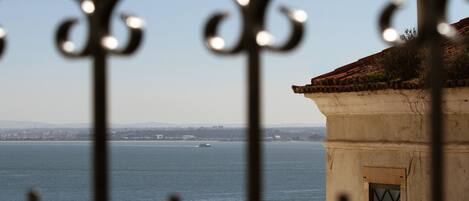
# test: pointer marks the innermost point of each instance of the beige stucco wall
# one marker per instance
(389, 128)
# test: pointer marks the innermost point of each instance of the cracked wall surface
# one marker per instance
(389, 128)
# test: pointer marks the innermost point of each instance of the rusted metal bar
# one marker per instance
(99, 46)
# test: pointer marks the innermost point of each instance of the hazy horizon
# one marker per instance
(173, 78)
(29, 124)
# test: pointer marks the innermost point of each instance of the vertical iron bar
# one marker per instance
(436, 119)
(99, 46)
(254, 155)
(434, 11)
(431, 14)
(420, 15)
(100, 147)
(254, 38)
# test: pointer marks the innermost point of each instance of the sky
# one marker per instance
(173, 78)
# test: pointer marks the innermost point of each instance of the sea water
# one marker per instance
(144, 171)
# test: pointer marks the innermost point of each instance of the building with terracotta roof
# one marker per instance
(378, 138)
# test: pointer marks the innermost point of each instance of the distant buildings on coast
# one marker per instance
(215, 133)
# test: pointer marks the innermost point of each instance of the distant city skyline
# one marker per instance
(173, 78)
(35, 124)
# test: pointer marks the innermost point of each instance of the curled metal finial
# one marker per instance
(98, 13)
(99, 45)
(391, 36)
(449, 32)
(253, 13)
(3, 35)
(254, 38)
(388, 33)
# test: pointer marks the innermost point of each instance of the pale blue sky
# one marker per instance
(173, 78)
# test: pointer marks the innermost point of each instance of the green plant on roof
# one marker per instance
(407, 62)
(403, 63)
(377, 77)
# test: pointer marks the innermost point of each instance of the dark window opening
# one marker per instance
(385, 192)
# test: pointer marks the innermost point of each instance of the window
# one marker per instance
(384, 184)
(384, 192)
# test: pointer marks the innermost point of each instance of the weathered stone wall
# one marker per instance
(394, 128)
(389, 128)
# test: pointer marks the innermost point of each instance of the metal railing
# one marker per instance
(433, 30)
(99, 46)
(254, 38)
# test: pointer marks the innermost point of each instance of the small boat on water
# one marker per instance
(203, 145)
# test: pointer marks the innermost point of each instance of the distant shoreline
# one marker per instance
(175, 134)
(171, 141)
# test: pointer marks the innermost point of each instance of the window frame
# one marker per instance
(385, 176)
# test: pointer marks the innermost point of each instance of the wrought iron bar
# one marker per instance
(252, 41)
(3, 35)
(433, 15)
(434, 30)
(99, 46)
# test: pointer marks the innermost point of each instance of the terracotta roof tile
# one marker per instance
(351, 77)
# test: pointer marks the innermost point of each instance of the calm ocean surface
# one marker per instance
(144, 171)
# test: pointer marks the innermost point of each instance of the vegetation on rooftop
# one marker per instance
(458, 67)
(406, 63)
